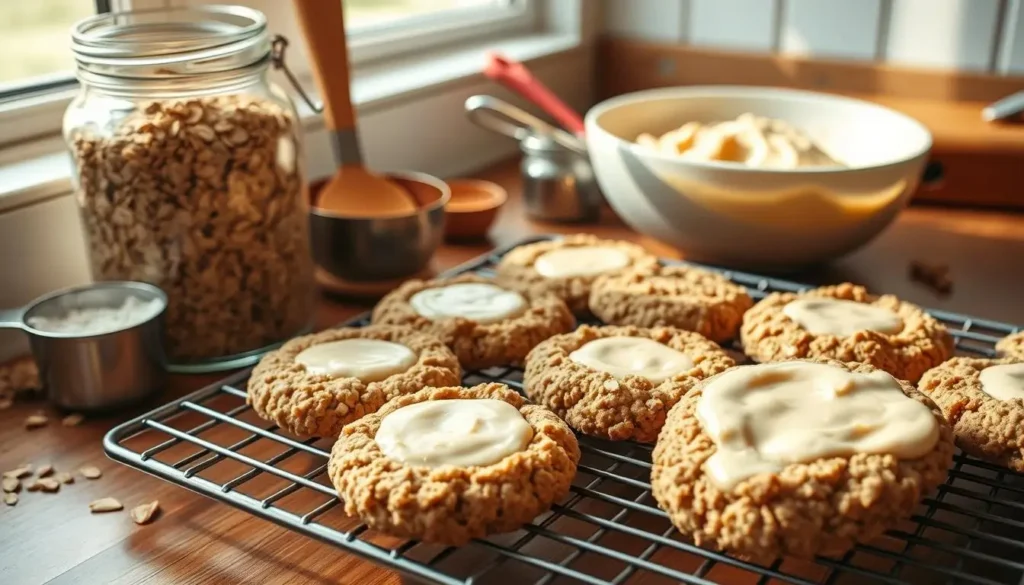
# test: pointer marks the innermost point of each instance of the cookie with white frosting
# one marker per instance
(446, 465)
(314, 385)
(671, 296)
(797, 458)
(1012, 346)
(846, 323)
(484, 323)
(567, 267)
(984, 402)
(619, 383)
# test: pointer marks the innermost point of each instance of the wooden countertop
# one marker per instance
(52, 538)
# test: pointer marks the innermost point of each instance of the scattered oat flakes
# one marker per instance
(105, 505)
(144, 514)
(90, 472)
(48, 484)
(44, 471)
(33, 485)
(21, 471)
(72, 420)
(18, 377)
(11, 484)
(35, 421)
(64, 477)
(10, 498)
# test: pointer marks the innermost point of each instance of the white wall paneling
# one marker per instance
(1011, 51)
(651, 20)
(846, 29)
(747, 25)
(947, 34)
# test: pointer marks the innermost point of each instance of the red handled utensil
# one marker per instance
(515, 76)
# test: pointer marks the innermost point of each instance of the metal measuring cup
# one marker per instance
(95, 372)
(558, 181)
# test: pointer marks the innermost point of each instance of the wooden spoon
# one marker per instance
(354, 190)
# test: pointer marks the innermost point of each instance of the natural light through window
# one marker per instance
(35, 40)
(366, 15)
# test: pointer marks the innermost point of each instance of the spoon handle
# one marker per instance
(323, 26)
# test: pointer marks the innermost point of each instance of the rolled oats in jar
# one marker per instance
(188, 176)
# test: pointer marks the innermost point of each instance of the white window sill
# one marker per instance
(44, 171)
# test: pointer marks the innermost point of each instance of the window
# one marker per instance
(36, 44)
(37, 75)
(368, 15)
(378, 29)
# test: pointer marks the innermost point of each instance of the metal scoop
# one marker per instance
(96, 371)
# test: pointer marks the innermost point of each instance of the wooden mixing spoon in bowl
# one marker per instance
(353, 190)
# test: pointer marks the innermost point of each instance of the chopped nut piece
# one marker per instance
(933, 276)
(65, 477)
(105, 505)
(11, 484)
(35, 421)
(33, 485)
(21, 471)
(144, 514)
(44, 471)
(10, 499)
(72, 420)
(6, 402)
(90, 472)
(48, 484)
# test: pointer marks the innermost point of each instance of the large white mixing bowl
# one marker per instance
(732, 215)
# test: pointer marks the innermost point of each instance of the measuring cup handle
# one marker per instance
(12, 318)
(503, 117)
(494, 114)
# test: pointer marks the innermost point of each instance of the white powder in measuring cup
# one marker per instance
(100, 320)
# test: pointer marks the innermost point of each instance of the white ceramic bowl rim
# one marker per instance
(745, 91)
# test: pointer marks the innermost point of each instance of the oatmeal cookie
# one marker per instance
(769, 335)
(448, 504)
(672, 296)
(1012, 345)
(518, 268)
(281, 390)
(480, 344)
(822, 507)
(985, 426)
(599, 404)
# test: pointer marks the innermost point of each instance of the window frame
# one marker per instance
(434, 31)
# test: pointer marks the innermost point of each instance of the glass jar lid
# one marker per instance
(170, 43)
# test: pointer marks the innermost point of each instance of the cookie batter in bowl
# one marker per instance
(754, 141)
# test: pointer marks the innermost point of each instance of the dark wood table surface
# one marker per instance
(52, 538)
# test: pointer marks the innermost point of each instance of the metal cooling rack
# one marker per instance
(608, 530)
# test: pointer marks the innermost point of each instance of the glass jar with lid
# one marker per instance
(188, 175)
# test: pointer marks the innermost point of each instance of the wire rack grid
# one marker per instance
(606, 531)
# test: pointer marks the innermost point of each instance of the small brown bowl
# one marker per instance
(472, 208)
